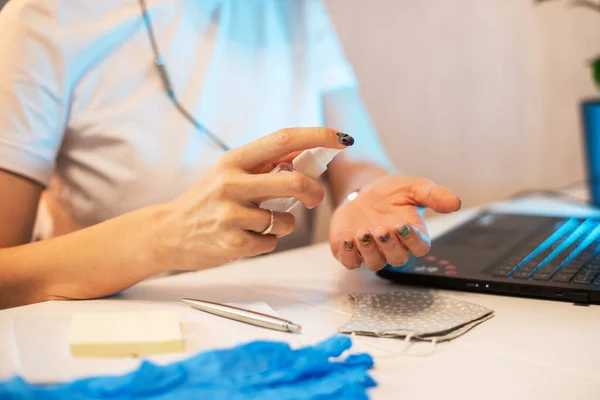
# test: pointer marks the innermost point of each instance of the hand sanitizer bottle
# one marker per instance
(312, 163)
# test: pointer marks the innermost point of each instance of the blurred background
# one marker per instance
(479, 95)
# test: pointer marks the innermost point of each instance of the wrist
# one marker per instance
(158, 240)
(99, 260)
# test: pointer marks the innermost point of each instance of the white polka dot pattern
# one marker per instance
(421, 315)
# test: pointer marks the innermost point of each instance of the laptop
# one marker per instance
(526, 255)
(550, 257)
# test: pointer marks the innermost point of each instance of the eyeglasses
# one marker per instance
(162, 71)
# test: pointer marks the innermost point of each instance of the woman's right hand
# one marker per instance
(214, 222)
(218, 220)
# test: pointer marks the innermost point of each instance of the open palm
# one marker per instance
(385, 223)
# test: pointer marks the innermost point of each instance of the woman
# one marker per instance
(107, 105)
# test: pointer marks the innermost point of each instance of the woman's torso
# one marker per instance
(243, 70)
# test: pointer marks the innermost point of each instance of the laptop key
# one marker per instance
(541, 276)
(520, 274)
(592, 267)
(562, 277)
(501, 272)
(570, 270)
(585, 276)
(527, 268)
(514, 261)
(525, 272)
(584, 280)
(581, 260)
(550, 268)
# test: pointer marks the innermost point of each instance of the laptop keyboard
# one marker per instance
(566, 252)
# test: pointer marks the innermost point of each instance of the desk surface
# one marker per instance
(531, 349)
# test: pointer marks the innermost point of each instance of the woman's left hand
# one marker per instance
(385, 223)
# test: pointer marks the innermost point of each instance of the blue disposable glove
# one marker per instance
(265, 370)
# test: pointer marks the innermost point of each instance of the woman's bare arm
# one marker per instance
(93, 262)
(19, 199)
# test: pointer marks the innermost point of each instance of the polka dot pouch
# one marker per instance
(413, 314)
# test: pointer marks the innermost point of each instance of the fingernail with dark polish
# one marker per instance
(366, 239)
(345, 139)
(384, 238)
(404, 231)
(348, 245)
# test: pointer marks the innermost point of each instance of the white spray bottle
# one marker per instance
(312, 163)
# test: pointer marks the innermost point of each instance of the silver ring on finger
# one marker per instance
(271, 224)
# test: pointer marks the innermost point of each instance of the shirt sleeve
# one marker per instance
(32, 110)
(334, 70)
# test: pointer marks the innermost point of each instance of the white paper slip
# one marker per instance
(125, 334)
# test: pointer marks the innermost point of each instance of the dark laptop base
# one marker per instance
(511, 254)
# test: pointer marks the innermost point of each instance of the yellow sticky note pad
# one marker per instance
(125, 334)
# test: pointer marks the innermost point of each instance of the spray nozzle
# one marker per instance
(313, 162)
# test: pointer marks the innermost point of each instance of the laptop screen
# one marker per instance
(590, 118)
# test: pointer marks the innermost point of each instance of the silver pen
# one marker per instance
(247, 316)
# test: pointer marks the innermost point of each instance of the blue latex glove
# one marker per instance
(265, 370)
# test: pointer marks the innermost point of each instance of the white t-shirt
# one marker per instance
(82, 103)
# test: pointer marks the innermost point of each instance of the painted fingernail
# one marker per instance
(348, 245)
(384, 238)
(459, 204)
(404, 231)
(366, 239)
(345, 139)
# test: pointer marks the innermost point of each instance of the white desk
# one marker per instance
(531, 349)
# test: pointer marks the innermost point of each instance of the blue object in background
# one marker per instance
(257, 370)
(590, 118)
